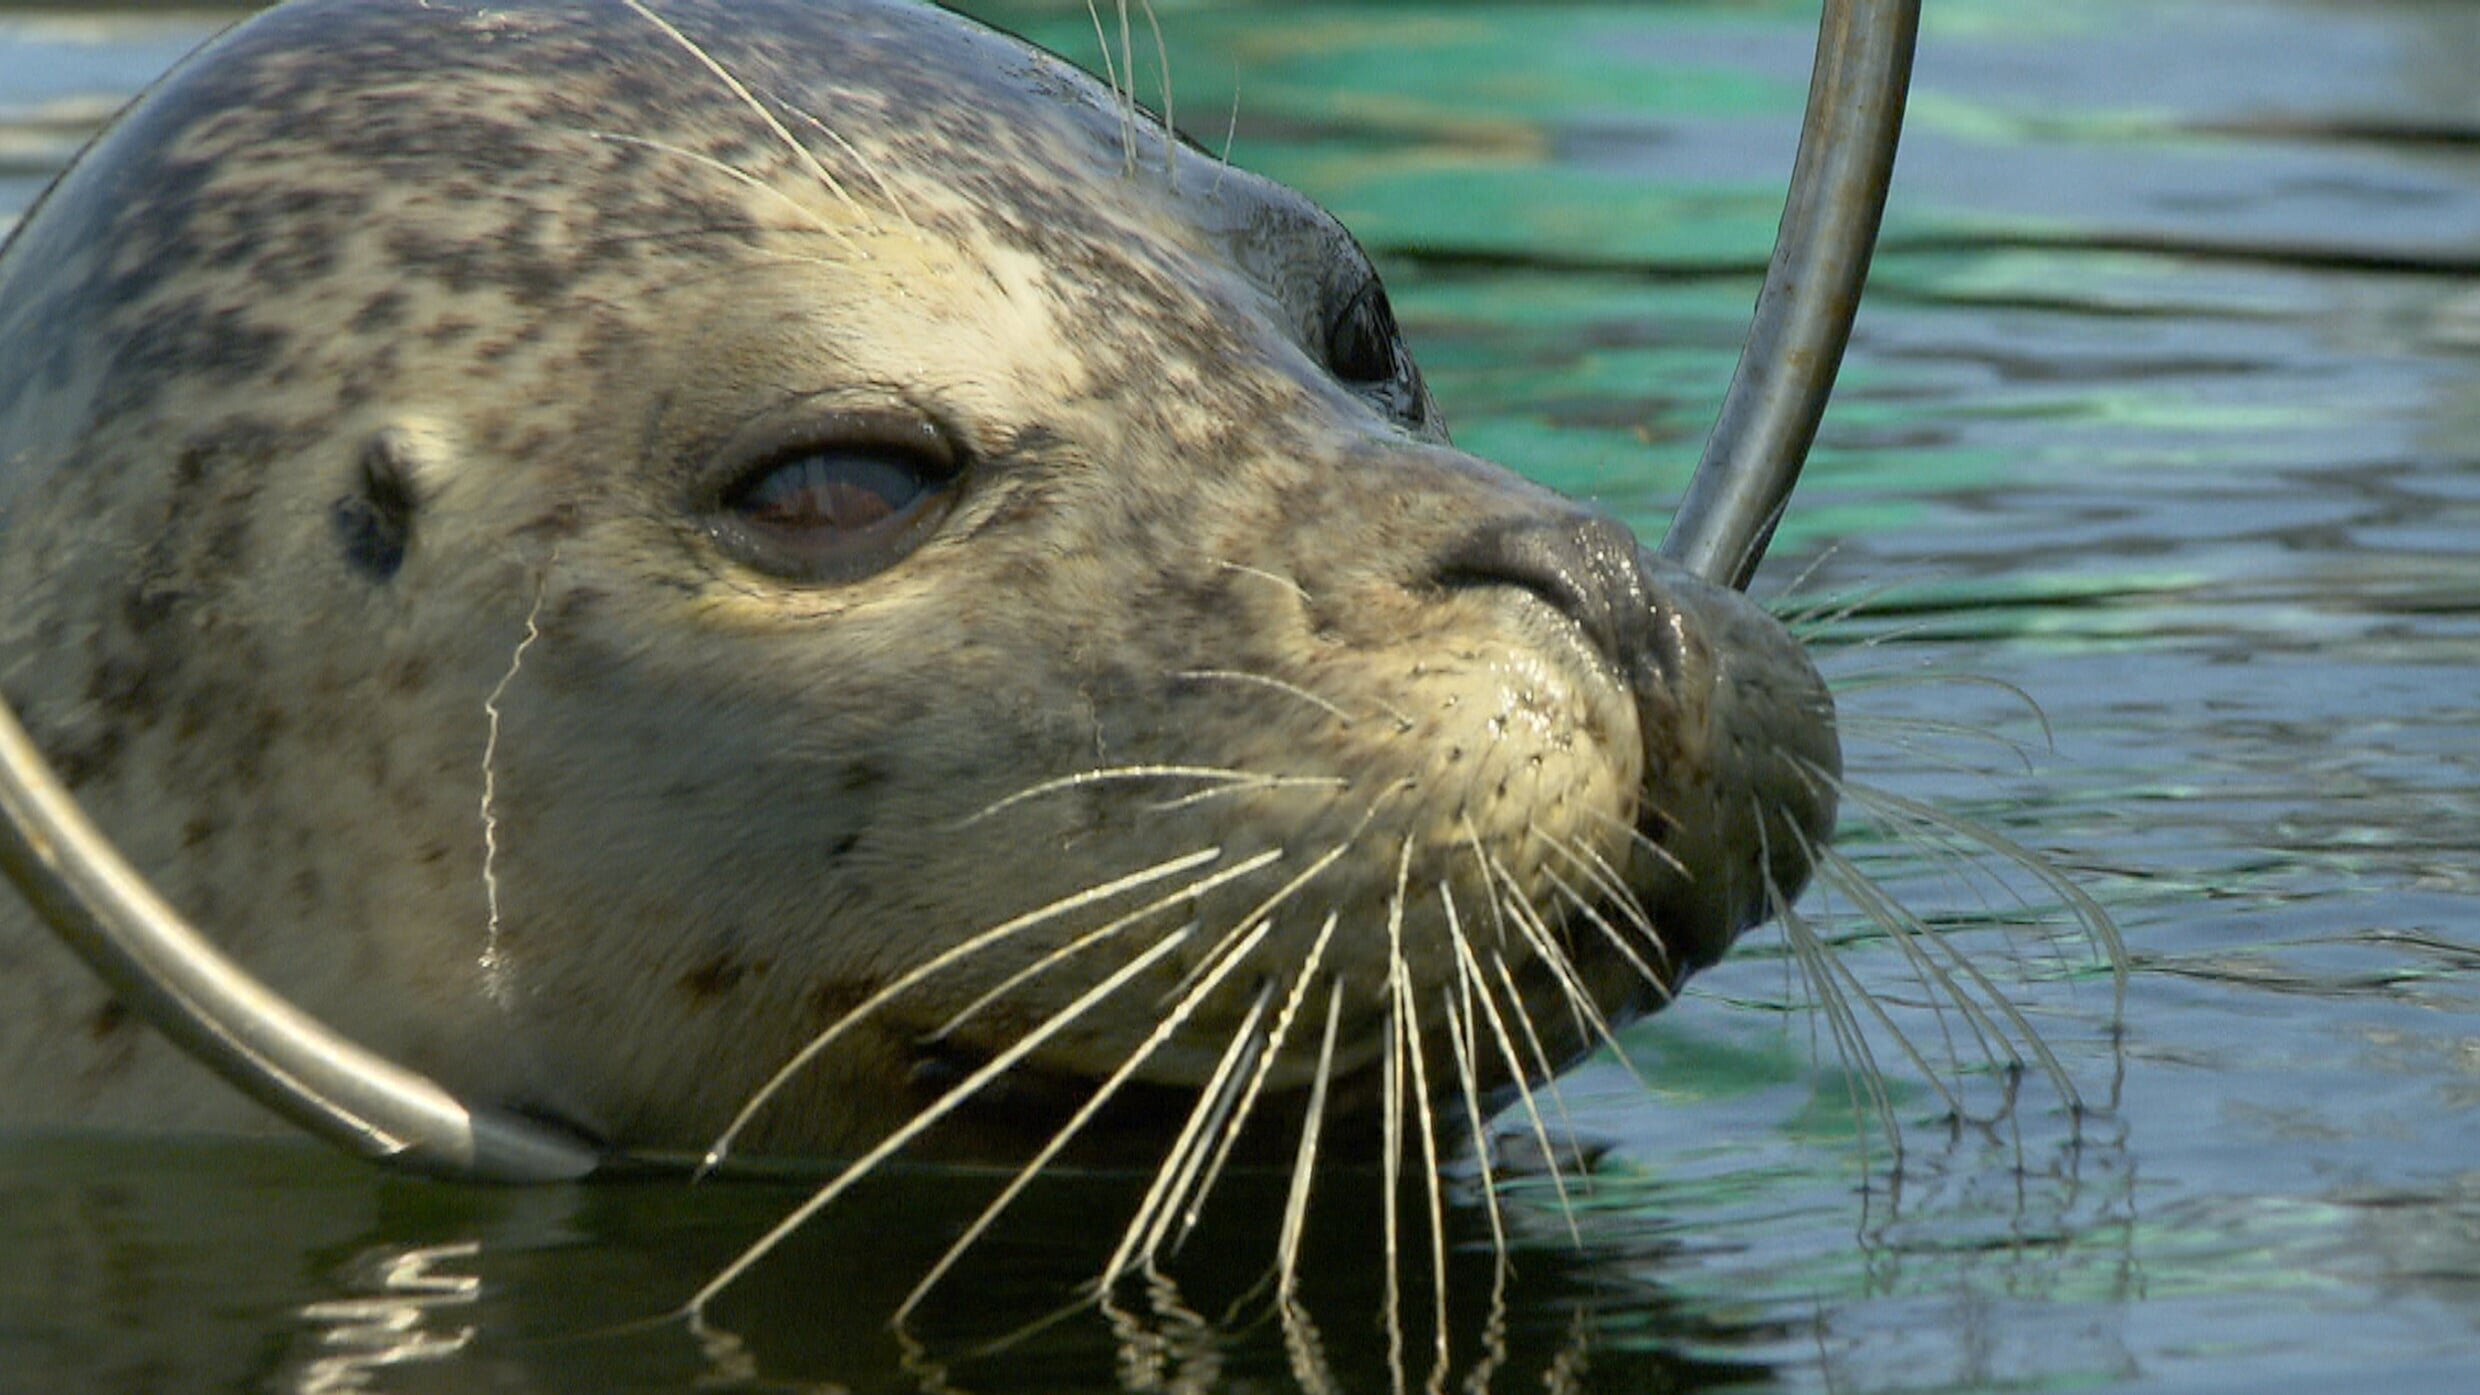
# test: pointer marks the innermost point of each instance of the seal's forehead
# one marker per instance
(545, 153)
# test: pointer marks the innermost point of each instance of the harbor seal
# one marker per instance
(599, 545)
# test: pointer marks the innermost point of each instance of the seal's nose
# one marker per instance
(1590, 568)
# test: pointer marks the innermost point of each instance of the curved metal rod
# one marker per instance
(213, 1009)
(1812, 289)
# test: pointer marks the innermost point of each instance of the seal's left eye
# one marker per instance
(1363, 345)
(835, 509)
(1366, 351)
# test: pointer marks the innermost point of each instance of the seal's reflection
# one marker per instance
(570, 1291)
(409, 1317)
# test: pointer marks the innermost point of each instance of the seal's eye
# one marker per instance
(1366, 351)
(838, 503)
(820, 495)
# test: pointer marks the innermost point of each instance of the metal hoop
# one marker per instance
(1812, 290)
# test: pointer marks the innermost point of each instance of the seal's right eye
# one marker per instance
(837, 504)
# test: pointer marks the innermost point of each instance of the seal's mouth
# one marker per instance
(1028, 1104)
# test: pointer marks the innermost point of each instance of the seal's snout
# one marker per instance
(1743, 766)
(1741, 760)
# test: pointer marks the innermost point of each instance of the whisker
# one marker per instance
(1102, 1095)
(1243, 568)
(1591, 1022)
(1614, 890)
(1825, 976)
(1638, 838)
(1304, 1161)
(1911, 935)
(1292, 888)
(1391, 1153)
(1279, 685)
(1079, 945)
(1790, 589)
(1231, 134)
(1460, 1028)
(886, 189)
(1855, 886)
(1265, 1068)
(1585, 907)
(1541, 1061)
(977, 944)
(1469, 969)
(1111, 775)
(1156, 1212)
(808, 216)
(1259, 785)
(1162, 60)
(939, 1109)
(1863, 683)
(801, 154)
(1892, 730)
(2101, 931)
(1416, 1057)
(1830, 611)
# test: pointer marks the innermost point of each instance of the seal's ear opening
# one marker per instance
(374, 522)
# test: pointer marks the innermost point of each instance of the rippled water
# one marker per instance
(2164, 409)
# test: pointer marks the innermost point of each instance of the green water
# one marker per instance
(2164, 409)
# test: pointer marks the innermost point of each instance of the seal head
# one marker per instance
(591, 545)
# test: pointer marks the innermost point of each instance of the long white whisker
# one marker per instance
(1269, 682)
(1470, 969)
(801, 154)
(2098, 926)
(1460, 1030)
(997, 934)
(1613, 889)
(1304, 1161)
(1084, 1115)
(939, 1109)
(1162, 1196)
(1545, 946)
(1827, 977)
(808, 216)
(1274, 901)
(1541, 1060)
(1113, 775)
(1391, 1151)
(1416, 1056)
(1162, 58)
(1584, 906)
(1265, 1068)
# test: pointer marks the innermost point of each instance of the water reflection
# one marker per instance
(402, 1321)
(551, 1292)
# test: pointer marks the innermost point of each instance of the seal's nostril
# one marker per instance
(1587, 566)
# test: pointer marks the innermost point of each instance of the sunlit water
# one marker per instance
(2164, 409)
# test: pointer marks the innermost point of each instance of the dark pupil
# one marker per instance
(839, 492)
(1362, 346)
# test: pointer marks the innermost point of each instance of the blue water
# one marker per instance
(2164, 409)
